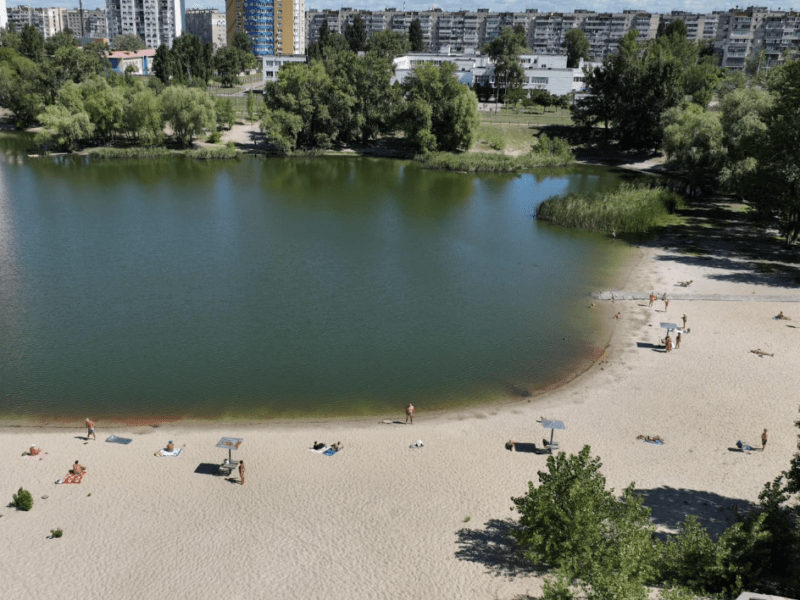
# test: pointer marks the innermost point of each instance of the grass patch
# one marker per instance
(629, 208)
(497, 136)
(226, 152)
(548, 153)
(134, 152)
(559, 117)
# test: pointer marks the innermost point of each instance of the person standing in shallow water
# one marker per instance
(410, 413)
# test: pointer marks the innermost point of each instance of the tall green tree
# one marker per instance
(31, 43)
(142, 120)
(129, 43)
(504, 51)
(415, 36)
(228, 62)
(62, 128)
(356, 34)
(388, 44)
(453, 120)
(577, 47)
(10, 38)
(241, 41)
(188, 111)
(163, 66)
(693, 143)
(104, 105)
(64, 38)
(21, 87)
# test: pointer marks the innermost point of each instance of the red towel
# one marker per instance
(72, 478)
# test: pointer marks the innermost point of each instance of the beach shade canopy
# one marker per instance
(669, 326)
(231, 444)
(552, 426)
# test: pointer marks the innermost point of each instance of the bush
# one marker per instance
(214, 137)
(213, 153)
(135, 152)
(23, 500)
(493, 163)
(56, 533)
(628, 208)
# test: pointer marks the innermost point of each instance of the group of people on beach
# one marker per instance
(664, 299)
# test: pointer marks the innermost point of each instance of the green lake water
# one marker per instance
(263, 288)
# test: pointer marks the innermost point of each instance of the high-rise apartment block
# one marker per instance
(207, 24)
(736, 34)
(49, 21)
(94, 22)
(156, 22)
(275, 27)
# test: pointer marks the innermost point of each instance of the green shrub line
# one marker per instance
(225, 152)
(628, 208)
(134, 152)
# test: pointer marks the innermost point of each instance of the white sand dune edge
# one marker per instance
(380, 520)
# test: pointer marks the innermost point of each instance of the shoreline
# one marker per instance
(380, 519)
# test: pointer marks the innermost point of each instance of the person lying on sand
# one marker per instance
(318, 445)
(760, 352)
(337, 446)
(510, 444)
(782, 317)
(33, 451)
(686, 283)
(650, 438)
(616, 316)
(77, 468)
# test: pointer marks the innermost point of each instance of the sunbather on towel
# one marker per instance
(650, 438)
(318, 445)
(337, 446)
(77, 468)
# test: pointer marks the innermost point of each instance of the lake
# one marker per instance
(263, 287)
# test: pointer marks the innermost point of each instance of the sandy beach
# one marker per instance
(382, 520)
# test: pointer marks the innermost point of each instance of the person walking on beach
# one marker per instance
(764, 440)
(666, 301)
(684, 321)
(668, 344)
(678, 341)
(652, 299)
(410, 413)
(90, 428)
(241, 472)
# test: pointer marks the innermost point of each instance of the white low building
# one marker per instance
(542, 71)
(271, 64)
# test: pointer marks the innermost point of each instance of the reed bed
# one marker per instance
(225, 152)
(629, 208)
(134, 152)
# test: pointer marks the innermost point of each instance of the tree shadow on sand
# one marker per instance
(671, 506)
(494, 547)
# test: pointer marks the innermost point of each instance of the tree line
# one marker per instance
(339, 97)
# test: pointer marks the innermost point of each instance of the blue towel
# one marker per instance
(656, 442)
(329, 452)
(119, 440)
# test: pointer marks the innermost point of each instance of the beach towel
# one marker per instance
(656, 442)
(174, 453)
(321, 450)
(330, 452)
(37, 457)
(419, 444)
(118, 440)
(72, 478)
(744, 446)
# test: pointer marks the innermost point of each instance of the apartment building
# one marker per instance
(275, 27)
(757, 33)
(94, 22)
(207, 24)
(49, 21)
(156, 22)
(3, 15)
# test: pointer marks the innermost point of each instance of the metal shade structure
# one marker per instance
(231, 444)
(671, 327)
(552, 425)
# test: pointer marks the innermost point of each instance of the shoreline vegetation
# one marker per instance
(628, 208)
(140, 152)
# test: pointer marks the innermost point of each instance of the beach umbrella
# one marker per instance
(552, 425)
(231, 444)
(670, 326)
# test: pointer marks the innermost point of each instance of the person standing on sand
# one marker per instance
(684, 321)
(410, 413)
(678, 341)
(666, 301)
(90, 428)
(652, 299)
(241, 472)
(764, 440)
(668, 344)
